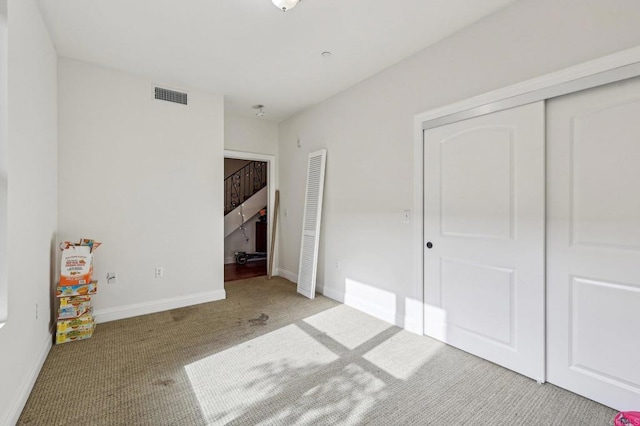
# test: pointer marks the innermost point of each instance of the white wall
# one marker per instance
(368, 131)
(3, 163)
(143, 177)
(256, 135)
(31, 205)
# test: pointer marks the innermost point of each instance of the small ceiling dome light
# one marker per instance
(285, 5)
(260, 109)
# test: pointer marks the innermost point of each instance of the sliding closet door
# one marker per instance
(484, 235)
(593, 263)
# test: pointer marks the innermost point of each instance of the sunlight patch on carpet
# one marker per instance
(402, 355)
(234, 381)
(342, 398)
(347, 326)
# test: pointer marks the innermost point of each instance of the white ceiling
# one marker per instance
(248, 50)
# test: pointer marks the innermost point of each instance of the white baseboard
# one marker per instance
(25, 390)
(287, 275)
(414, 324)
(230, 259)
(128, 311)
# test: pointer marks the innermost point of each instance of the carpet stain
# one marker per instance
(178, 315)
(261, 320)
(165, 383)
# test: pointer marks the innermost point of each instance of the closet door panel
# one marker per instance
(593, 237)
(484, 224)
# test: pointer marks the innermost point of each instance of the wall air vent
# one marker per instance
(170, 96)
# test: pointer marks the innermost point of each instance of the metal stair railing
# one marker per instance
(243, 184)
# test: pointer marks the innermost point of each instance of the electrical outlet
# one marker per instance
(112, 278)
(159, 272)
(338, 264)
(407, 216)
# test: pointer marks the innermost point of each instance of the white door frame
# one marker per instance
(608, 69)
(271, 193)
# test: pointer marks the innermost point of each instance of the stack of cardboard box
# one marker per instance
(75, 312)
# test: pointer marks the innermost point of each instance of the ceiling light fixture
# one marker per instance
(260, 109)
(285, 5)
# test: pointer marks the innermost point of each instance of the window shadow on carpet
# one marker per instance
(330, 368)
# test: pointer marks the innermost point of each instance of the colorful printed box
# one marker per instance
(77, 261)
(74, 306)
(77, 265)
(75, 311)
(71, 300)
(74, 335)
(81, 323)
(77, 290)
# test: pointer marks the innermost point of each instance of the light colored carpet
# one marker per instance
(268, 356)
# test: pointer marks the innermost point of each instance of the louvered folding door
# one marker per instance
(311, 224)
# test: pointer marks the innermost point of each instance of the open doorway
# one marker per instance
(248, 204)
